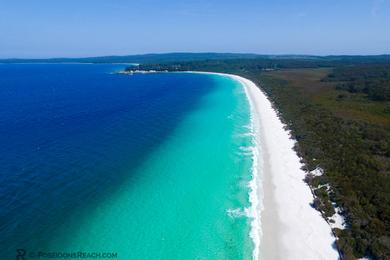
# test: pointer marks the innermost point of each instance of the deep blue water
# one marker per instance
(71, 133)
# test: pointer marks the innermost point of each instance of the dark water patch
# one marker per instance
(70, 134)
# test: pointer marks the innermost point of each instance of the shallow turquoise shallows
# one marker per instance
(185, 199)
(182, 205)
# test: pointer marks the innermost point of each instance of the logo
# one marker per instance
(20, 254)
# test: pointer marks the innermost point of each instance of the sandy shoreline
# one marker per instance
(288, 227)
(292, 229)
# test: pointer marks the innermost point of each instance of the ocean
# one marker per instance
(147, 166)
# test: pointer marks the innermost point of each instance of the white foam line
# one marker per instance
(302, 233)
(255, 195)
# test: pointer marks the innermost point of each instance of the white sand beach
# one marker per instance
(284, 225)
(291, 228)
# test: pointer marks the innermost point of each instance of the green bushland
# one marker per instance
(374, 81)
(338, 111)
(353, 151)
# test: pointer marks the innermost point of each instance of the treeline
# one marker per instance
(374, 81)
(267, 63)
(355, 158)
(354, 154)
(239, 64)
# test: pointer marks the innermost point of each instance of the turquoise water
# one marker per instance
(186, 197)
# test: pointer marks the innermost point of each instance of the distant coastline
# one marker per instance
(191, 56)
(136, 71)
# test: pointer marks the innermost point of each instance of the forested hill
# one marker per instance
(141, 58)
(338, 109)
(187, 56)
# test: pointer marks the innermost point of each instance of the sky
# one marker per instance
(85, 28)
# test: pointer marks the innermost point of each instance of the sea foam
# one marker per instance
(255, 195)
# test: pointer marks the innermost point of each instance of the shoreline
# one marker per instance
(288, 227)
(292, 229)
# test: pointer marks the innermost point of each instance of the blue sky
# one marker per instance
(80, 28)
